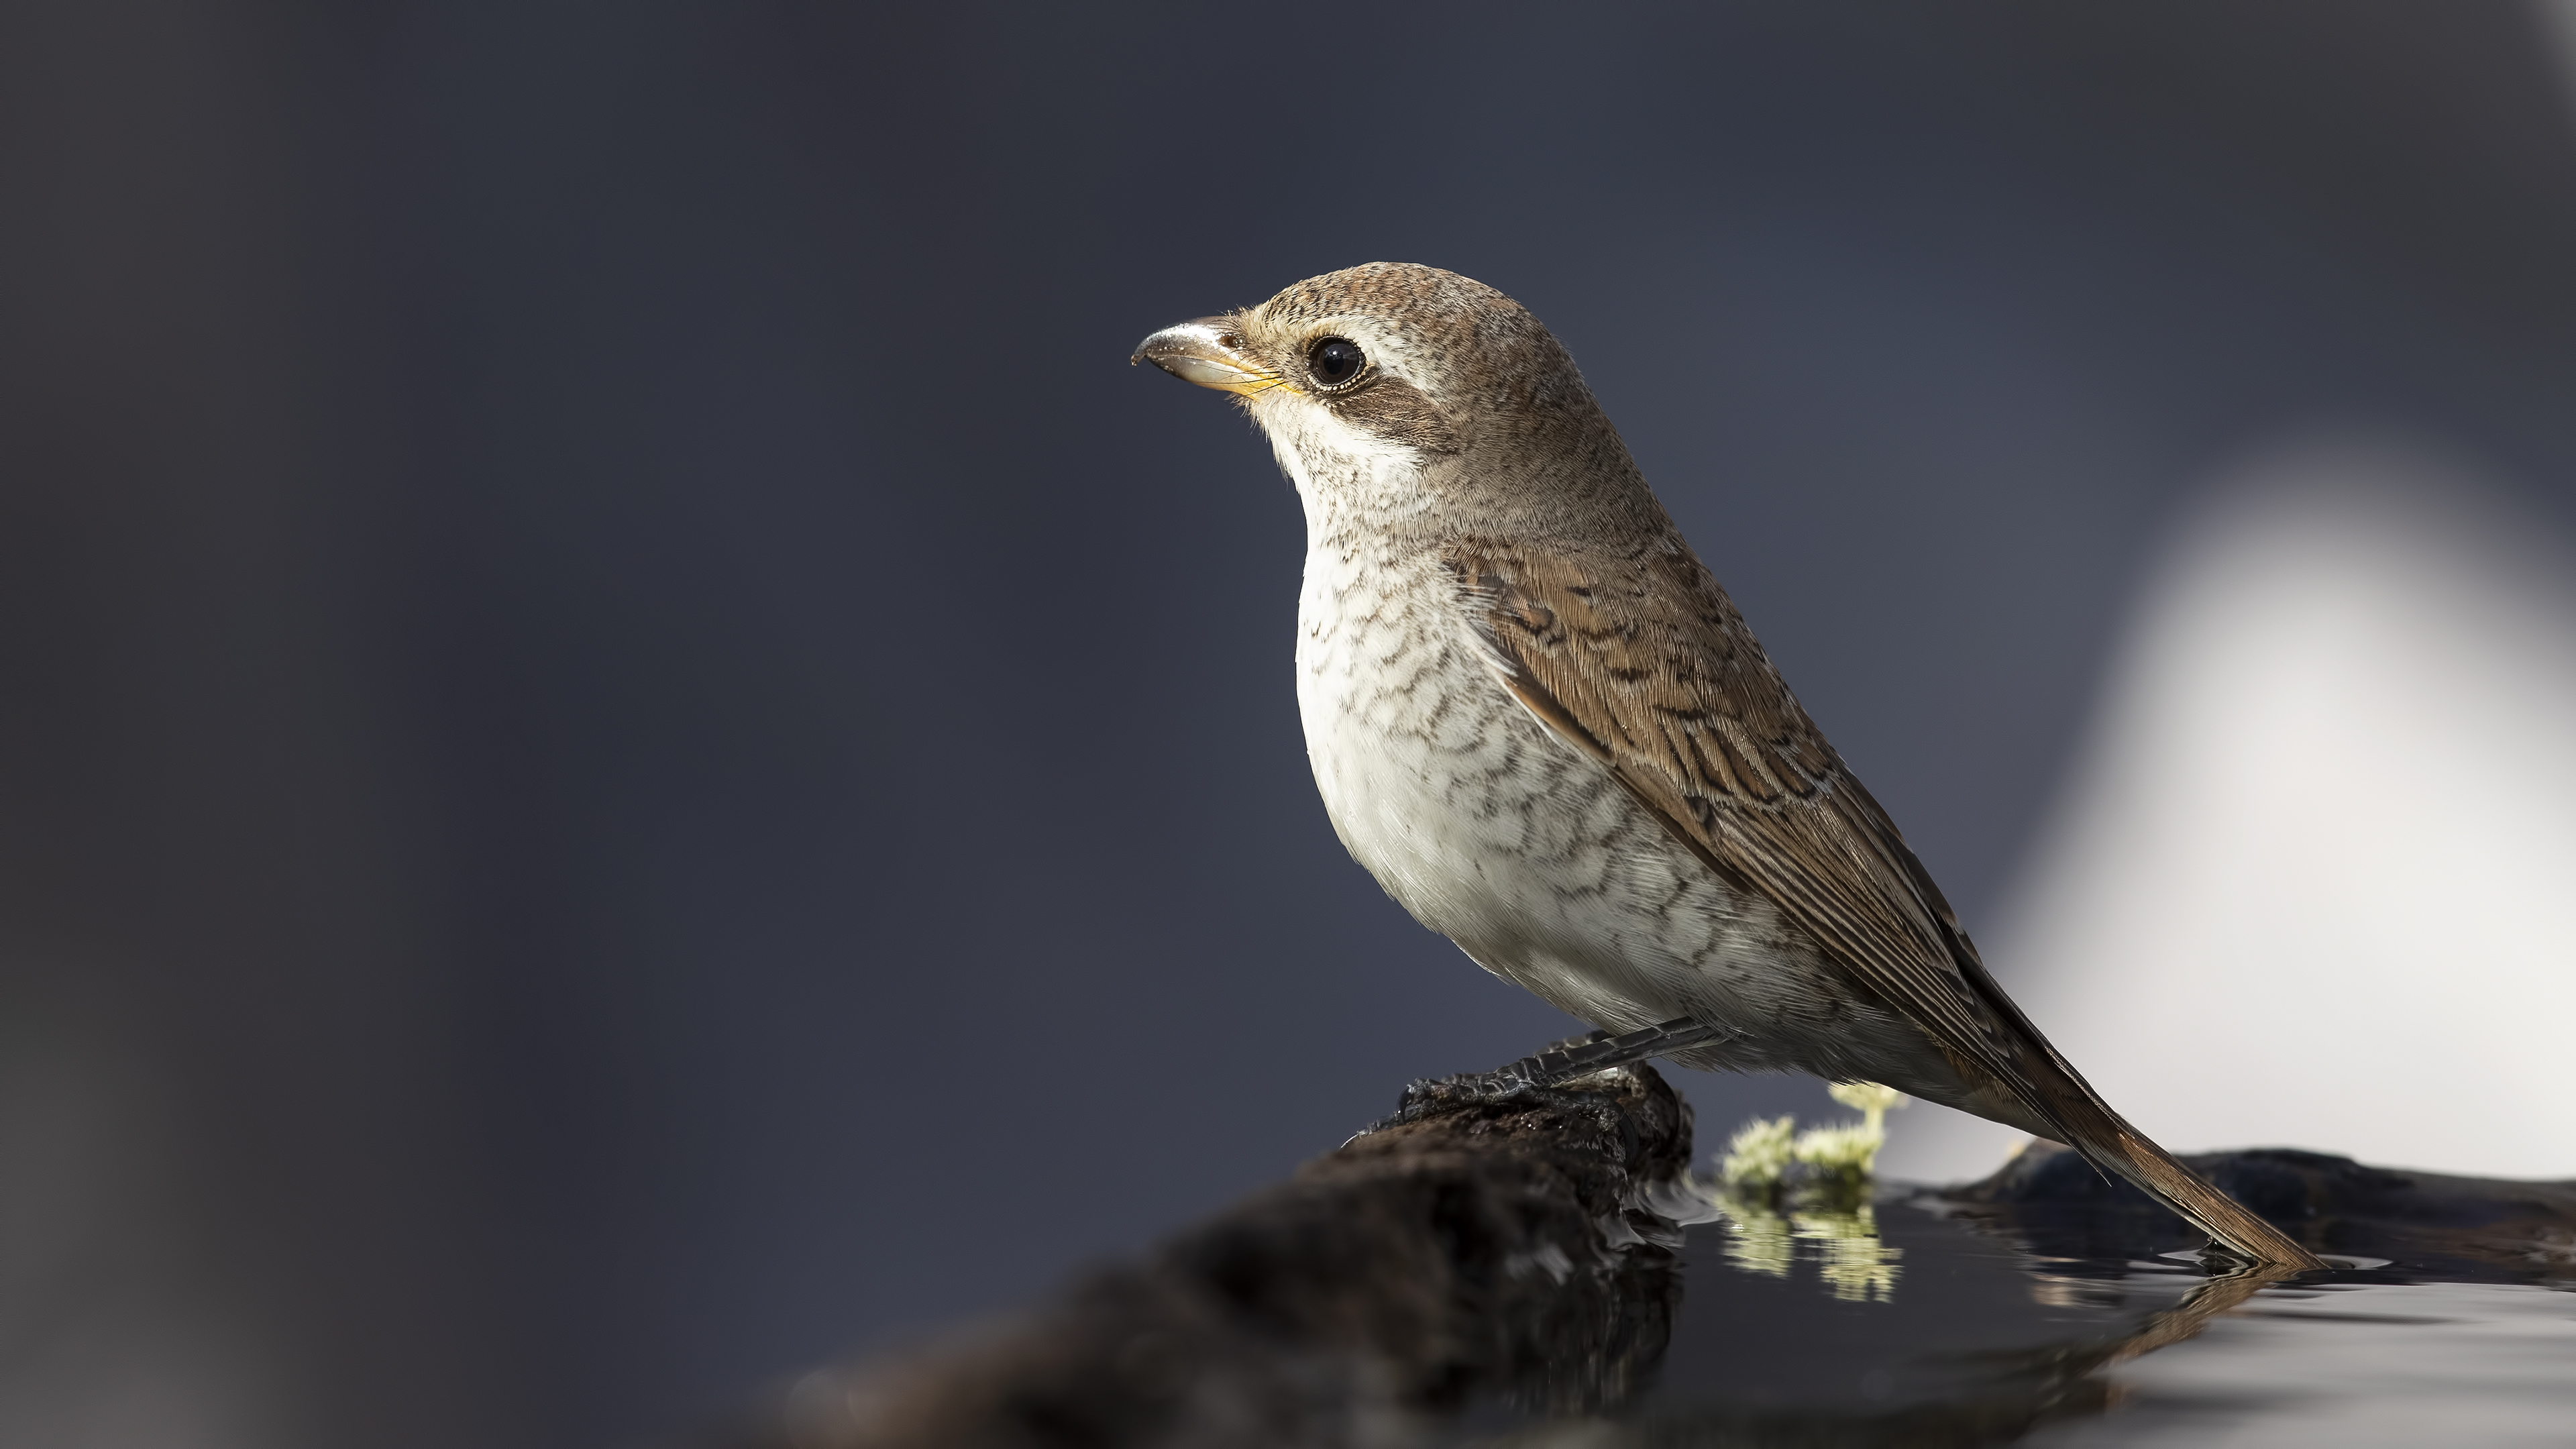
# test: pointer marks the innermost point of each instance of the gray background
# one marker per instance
(633, 756)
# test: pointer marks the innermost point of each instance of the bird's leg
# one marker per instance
(1597, 1052)
(1563, 1062)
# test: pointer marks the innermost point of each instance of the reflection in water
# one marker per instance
(2048, 1307)
(1855, 1265)
(1542, 1274)
(1992, 1398)
(1758, 1240)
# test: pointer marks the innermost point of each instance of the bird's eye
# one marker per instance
(1335, 360)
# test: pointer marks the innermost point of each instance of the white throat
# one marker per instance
(1362, 492)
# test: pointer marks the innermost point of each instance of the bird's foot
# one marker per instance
(1533, 1075)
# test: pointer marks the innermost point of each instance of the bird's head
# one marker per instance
(1404, 388)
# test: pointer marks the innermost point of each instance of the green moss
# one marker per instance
(1759, 1154)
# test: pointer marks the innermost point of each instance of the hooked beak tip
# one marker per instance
(1209, 352)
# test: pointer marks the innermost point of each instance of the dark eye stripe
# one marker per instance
(1335, 360)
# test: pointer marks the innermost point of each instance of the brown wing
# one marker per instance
(1642, 660)
(1646, 663)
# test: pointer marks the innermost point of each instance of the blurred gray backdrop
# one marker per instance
(632, 756)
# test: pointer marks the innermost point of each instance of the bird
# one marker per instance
(1537, 719)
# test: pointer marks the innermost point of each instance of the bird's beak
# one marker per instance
(1209, 352)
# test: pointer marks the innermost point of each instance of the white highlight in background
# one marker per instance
(2312, 882)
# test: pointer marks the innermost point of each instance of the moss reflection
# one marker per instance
(1781, 1187)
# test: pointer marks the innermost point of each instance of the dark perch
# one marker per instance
(1482, 1251)
(1507, 1256)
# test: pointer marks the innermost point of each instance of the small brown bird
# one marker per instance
(1539, 722)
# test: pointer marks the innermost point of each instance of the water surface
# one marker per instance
(1911, 1323)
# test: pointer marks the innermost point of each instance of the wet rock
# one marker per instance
(1504, 1252)
(2427, 1224)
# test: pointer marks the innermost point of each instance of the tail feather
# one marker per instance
(2059, 1095)
(2188, 1193)
(2110, 1143)
(2052, 1089)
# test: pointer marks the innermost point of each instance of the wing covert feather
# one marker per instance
(1644, 662)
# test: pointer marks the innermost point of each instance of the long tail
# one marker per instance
(2054, 1092)
(2053, 1089)
(2058, 1094)
(2124, 1150)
